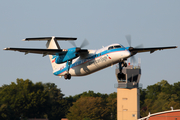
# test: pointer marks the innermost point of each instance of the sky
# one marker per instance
(153, 23)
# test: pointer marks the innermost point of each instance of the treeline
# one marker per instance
(160, 97)
(25, 99)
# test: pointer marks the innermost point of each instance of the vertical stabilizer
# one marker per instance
(53, 44)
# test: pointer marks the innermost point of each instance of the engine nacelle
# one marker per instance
(71, 54)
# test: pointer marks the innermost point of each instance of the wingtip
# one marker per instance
(5, 49)
(23, 39)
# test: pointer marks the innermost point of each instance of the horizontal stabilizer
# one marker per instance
(49, 38)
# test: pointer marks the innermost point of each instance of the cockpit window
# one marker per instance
(122, 46)
(110, 48)
(117, 46)
(114, 47)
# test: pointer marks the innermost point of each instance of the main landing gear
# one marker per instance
(67, 75)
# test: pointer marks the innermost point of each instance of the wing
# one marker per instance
(45, 52)
(151, 50)
(39, 51)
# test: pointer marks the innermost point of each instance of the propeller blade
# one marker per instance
(132, 49)
(79, 49)
(139, 46)
(133, 59)
(73, 43)
(84, 43)
(128, 38)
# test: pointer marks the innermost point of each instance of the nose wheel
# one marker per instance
(121, 75)
(124, 64)
(67, 76)
(121, 65)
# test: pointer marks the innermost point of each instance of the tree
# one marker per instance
(89, 107)
(152, 91)
(160, 97)
(142, 96)
(176, 90)
(24, 99)
(28, 100)
(112, 105)
(165, 86)
(57, 105)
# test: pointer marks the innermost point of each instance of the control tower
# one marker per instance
(128, 93)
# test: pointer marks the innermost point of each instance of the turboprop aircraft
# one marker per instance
(76, 61)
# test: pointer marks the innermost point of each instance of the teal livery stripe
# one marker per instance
(80, 62)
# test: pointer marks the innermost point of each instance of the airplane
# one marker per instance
(76, 61)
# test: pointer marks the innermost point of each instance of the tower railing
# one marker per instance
(128, 85)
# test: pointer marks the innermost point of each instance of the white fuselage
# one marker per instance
(96, 60)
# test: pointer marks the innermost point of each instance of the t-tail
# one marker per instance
(52, 46)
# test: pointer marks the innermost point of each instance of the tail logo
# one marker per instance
(53, 60)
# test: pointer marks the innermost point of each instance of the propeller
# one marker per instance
(128, 38)
(73, 43)
(83, 44)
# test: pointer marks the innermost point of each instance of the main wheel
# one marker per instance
(67, 76)
(121, 76)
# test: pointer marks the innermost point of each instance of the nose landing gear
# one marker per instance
(120, 75)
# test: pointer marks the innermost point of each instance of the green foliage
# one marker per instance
(28, 100)
(25, 99)
(160, 97)
(87, 119)
(112, 105)
(24, 96)
(110, 102)
(57, 104)
(142, 96)
(86, 94)
(89, 107)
